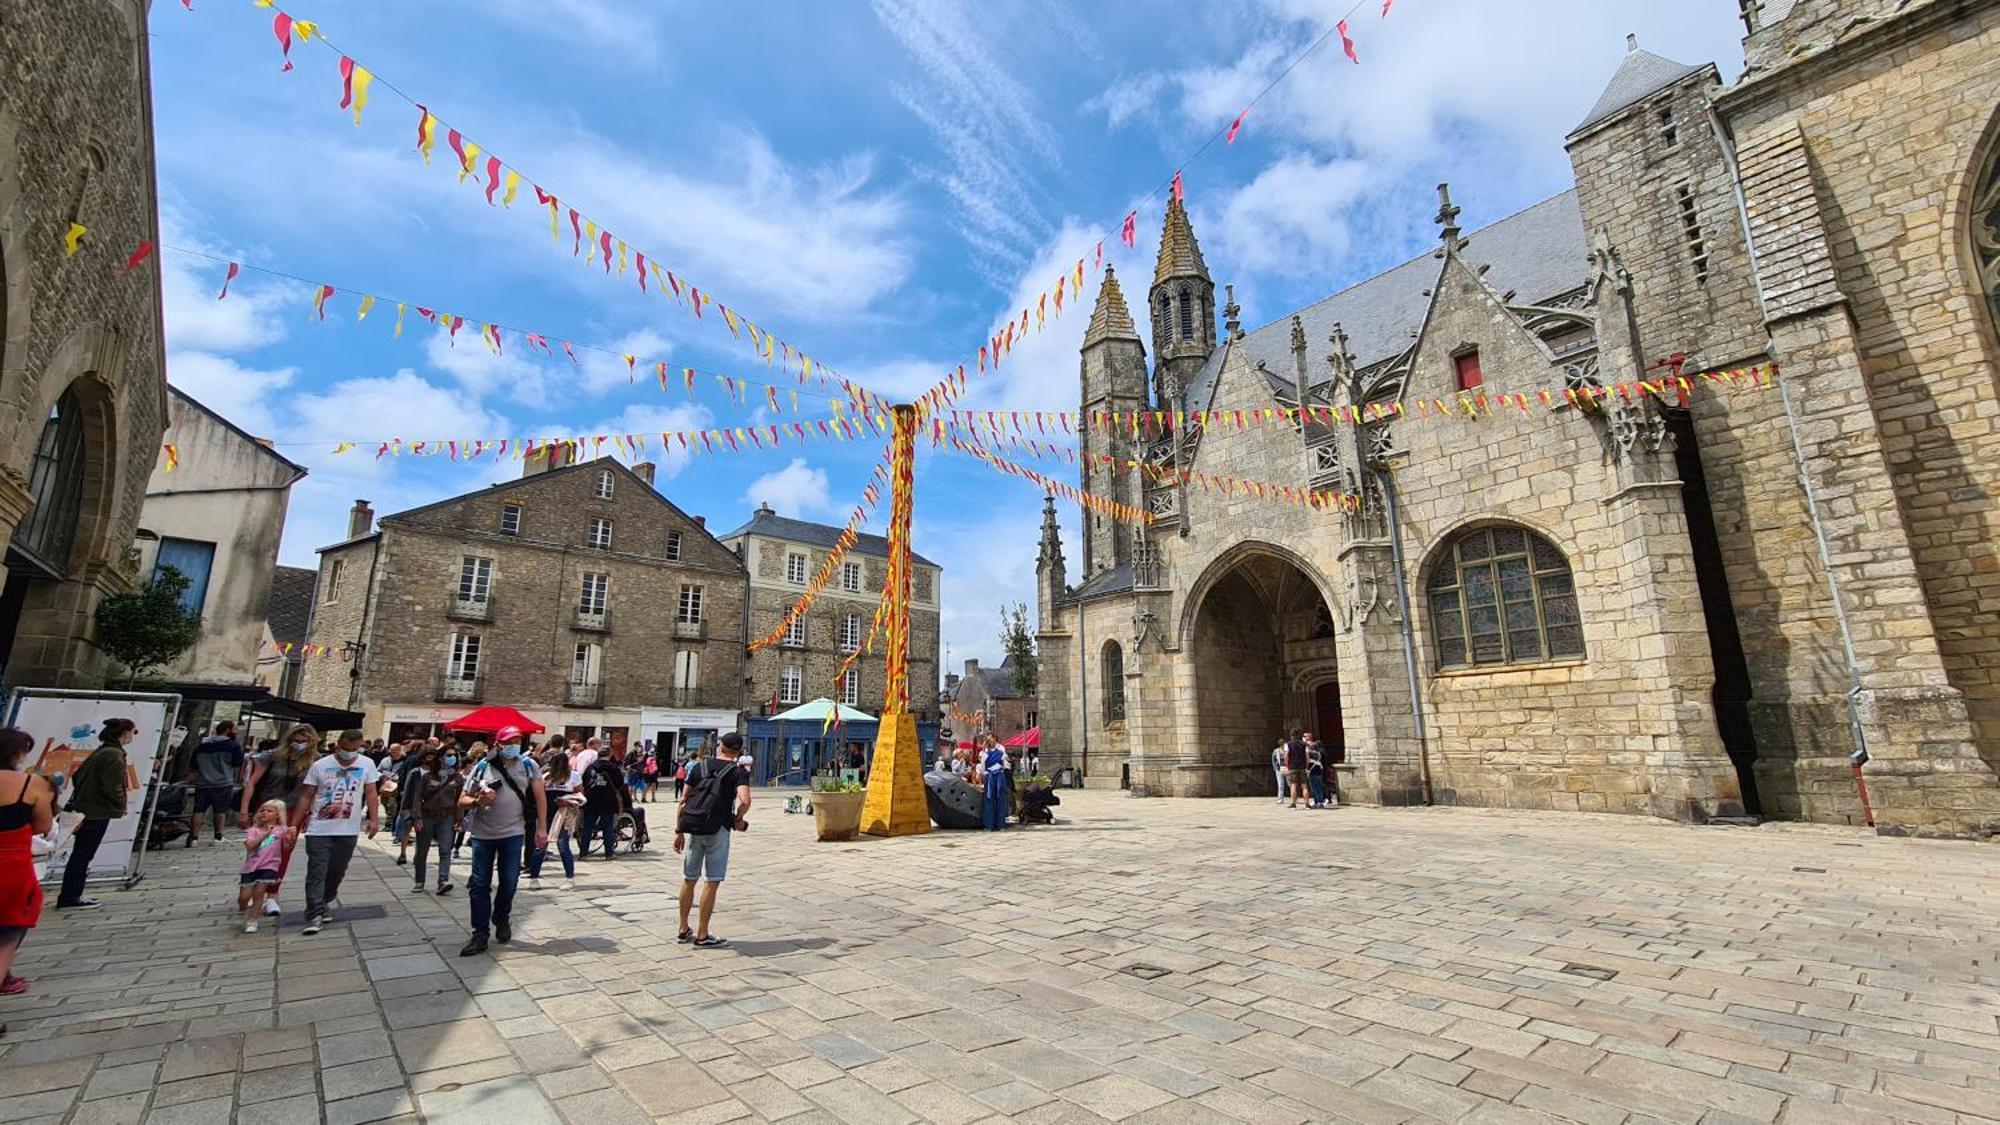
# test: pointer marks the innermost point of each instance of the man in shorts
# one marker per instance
(707, 855)
(216, 768)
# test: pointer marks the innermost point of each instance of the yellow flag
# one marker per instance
(362, 79)
(367, 302)
(471, 154)
(399, 317)
(304, 29)
(589, 239)
(73, 239)
(513, 186)
(621, 255)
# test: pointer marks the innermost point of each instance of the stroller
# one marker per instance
(1036, 801)
(173, 815)
(631, 830)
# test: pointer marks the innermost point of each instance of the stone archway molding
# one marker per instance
(1223, 564)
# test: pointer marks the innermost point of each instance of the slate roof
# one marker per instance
(1104, 582)
(1538, 253)
(1111, 319)
(1180, 254)
(1639, 74)
(999, 682)
(291, 603)
(774, 526)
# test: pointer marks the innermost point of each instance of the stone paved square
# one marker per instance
(1358, 964)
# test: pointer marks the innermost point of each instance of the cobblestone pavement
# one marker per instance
(1199, 961)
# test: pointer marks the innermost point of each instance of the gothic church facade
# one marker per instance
(1690, 610)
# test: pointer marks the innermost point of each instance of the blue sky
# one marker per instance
(880, 183)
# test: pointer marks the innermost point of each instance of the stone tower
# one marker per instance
(1183, 305)
(1114, 381)
(1051, 576)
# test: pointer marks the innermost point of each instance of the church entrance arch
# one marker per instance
(1260, 640)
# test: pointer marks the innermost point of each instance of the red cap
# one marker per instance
(506, 734)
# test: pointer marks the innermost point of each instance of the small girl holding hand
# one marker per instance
(266, 843)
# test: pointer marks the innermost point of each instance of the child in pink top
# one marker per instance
(266, 843)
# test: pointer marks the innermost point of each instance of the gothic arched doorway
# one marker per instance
(70, 502)
(1261, 643)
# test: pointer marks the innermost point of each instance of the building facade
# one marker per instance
(281, 662)
(82, 374)
(986, 701)
(781, 555)
(577, 594)
(1685, 609)
(217, 517)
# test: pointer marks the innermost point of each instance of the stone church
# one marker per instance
(1690, 609)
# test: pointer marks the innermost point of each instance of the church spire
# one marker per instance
(1110, 319)
(1182, 302)
(1180, 254)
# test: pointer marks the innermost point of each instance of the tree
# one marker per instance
(146, 628)
(1019, 646)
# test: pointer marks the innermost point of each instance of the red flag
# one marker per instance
(234, 269)
(492, 177)
(1100, 256)
(319, 300)
(1179, 193)
(1346, 43)
(639, 260)
(1235, 127)
(1130, 232)
(144, 251)
(571, 353)
(281, 26)
(604, 243)
(1385, 6)
(457, 143)
(576, 234)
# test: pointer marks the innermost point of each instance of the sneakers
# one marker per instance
(314, 924)
(534, 882)
(710, 942)
(502, 932)
(79, 904)
(566, 885)
(401, 860)
(13, 985)
(473, 947)
(444, 888)
(417, 888)
(685, 937)
(272, 908)
(250, 927)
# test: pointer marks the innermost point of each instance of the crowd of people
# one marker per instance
(1303, 771)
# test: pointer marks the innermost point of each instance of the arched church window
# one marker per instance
(1986, 231)
(55, 489)
(1503, 595)
(1114, 682)
(1187, 315)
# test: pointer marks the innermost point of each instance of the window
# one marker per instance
(1697, 245)
(1466, 366)
(791, 681)
(1503, 595)
(850, 687)
(592, 598)
(334, 570)
(510, 519)
(1669, 133)
(475, 578)
(464, 663)
(194, 559)
(48, 530)
(604, 484)
(850, 576)
(690, 608)
(687, 669)
(673, 546)
(1986, 230)
(1187, 315)
(795, 633)
(795, 569)
(587, 665)
(1114, 683)
(600, 533)
(850, 632)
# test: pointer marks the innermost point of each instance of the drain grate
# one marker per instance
(1144, 971)
(1592, 971)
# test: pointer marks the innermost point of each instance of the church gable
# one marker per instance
(1473, 344)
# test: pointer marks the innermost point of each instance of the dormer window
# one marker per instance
(1465, 366)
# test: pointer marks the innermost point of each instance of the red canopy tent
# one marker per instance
(486, 720)
(1030, 737)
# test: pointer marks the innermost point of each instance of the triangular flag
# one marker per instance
(1346, 43)
(228, 277)
(1235, 127)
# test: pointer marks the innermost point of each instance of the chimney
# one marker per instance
(764, 509)
(644, 471)
(1631, 42)
(950, 680)
(552, 455)
(360, 519)
(701, 521)
(972, 669)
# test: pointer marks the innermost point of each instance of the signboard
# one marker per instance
(65, 725)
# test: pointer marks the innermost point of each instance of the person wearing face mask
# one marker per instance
(432, 794)
(338, 789)
(510, 814)
(99, 794)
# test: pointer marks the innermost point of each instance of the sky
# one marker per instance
(883, 184)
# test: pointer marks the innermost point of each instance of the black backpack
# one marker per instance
(711, 799)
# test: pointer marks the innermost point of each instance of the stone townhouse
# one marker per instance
(577, 594)
(996, 706)
(1688, 610)
(82, 374)
(781, 556)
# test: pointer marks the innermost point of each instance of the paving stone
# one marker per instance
(841, 1051)
(193, 1090)
(278, 1082)
(380, 1106)
(205, 1112)
(354, 1079)
(515, 1100)
(1116, 1097)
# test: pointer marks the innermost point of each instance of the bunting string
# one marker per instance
(830, 565)
(943, 435)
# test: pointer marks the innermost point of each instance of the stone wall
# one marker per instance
(339, 613)
(76, 145)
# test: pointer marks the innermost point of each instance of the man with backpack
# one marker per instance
(604, 797)
(714, 804)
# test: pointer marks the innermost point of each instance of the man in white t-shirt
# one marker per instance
(338, 789)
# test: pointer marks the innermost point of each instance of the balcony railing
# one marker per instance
(455, 687)
(594, 620)
(470, 607)
(581, 693)
(691, 630)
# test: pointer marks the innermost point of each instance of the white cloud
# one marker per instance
(238, 393)
(402, 405)
(1292, 219)
(196, 318)
(796, 491)
(627, 28)
(522, 374)
(1129, 98)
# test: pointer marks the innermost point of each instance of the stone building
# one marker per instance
(217, 517)
(82, 375)
(995, 705)
(782, 555)
(576, 594)
(1682, 609)
(281, 663)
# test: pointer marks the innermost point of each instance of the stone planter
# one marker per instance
(837, 816)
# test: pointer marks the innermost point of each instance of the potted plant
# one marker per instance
(836, 809)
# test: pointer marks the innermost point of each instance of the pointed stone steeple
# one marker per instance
(1051, 575)
(1183, 306)
(1180, 254)
(1111, 319)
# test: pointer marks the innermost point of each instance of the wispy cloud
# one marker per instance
(628, 28)
(798, 491)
